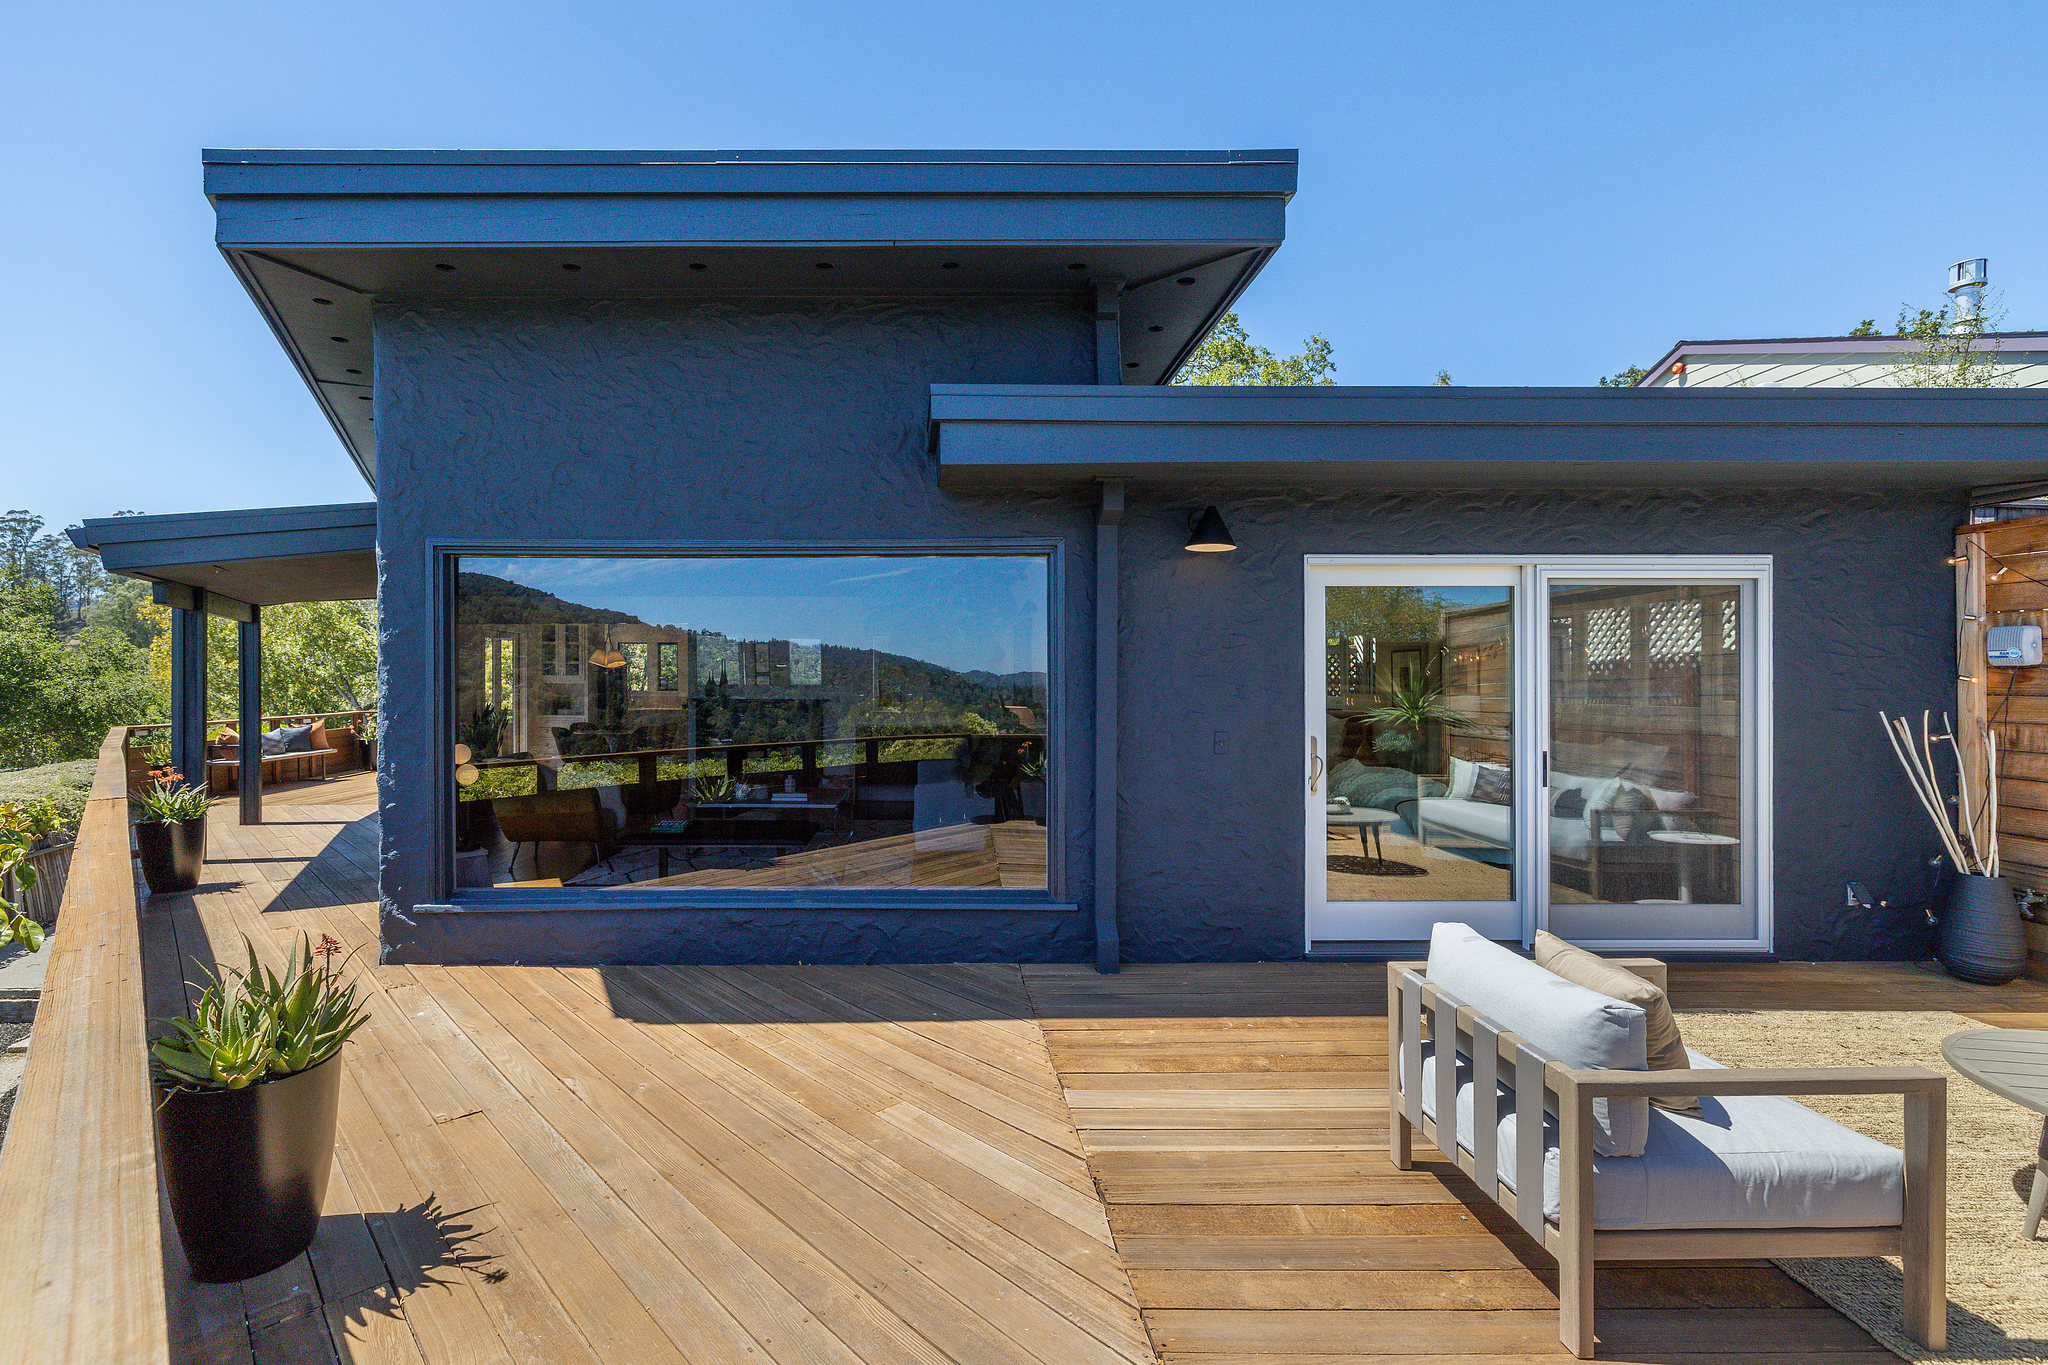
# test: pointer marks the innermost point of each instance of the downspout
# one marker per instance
(1108, 951)
(1109, 331)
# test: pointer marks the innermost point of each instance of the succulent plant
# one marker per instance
(251, 1024)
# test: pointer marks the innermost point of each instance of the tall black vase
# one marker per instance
(1982, 939)
(173, 852)
(247, 1169)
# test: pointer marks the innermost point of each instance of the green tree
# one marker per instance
(120, 609)
(59, 696)
(320, 656)
(1949, 353)
(317, 657)
(1228, 355)
(1627, 379)
(1865, 328)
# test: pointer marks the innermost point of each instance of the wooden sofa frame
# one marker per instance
(1919, 1240)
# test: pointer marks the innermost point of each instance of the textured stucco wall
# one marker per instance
(782, 421)
(804, 421)
(1212, 853)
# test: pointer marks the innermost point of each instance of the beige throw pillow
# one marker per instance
(1666, 1049)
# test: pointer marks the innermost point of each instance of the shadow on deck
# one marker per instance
(972, 1163)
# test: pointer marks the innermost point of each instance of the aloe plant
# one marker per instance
(1410, 707)
(251, 1024)
(168, 799)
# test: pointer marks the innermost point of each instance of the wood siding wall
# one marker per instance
(2002, 579)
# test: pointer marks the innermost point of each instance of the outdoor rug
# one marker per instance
(1997, 1282)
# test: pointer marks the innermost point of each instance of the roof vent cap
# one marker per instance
(1966, 284)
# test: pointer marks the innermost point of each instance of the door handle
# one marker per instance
(1315, 765)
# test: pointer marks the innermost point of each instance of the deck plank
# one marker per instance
(1236, 1122)
(967, 1163)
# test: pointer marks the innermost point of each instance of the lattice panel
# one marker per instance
(1607, 632)
(1675, 630)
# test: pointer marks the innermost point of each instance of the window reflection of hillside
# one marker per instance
(618, 752)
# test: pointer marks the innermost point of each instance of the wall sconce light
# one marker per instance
(1208, 534)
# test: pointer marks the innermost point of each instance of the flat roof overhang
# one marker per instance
(259, 556)
(317, 236)
(1026, 435)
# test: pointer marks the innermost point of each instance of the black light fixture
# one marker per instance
(1210, 535)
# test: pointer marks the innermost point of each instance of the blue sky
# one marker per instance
(1519, 194)
(963, 611)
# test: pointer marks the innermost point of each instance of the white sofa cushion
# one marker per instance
(1745, 1161)
(1464, 772)
(1578, 1027)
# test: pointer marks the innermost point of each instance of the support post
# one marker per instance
(249, 717)
(188, 690)
(1972, 711)
(1108, 951)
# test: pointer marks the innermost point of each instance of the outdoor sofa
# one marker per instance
(1746, 1173)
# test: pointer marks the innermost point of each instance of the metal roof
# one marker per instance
(262, 556)
(317, 236)
(1870, 345)
(1491, 438)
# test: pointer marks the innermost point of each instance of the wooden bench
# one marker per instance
(313, 759)
(1423, 1019)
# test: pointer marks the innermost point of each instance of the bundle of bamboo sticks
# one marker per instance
(1970, 855)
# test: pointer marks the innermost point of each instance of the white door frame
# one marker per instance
(1404, 921)
(1753, 574)
(1532, 578)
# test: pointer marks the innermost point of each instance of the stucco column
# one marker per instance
(1108, 950)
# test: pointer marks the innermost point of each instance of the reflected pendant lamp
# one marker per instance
(1209, 535)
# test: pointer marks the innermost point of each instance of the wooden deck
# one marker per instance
(1236, 1121)
(968, 1163)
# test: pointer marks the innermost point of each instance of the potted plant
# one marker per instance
(365, 731)
(170, 831)
(1031, 785)
(1410, 709)
(1983, 938)
(248, 1084)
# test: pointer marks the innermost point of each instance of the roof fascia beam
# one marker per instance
(182, 597)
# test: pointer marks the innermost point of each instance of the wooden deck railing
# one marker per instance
(81, 1241)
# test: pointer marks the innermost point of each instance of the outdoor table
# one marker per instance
(719, 823)
(1368, 822)
(1688, 840)
(2011, 1063)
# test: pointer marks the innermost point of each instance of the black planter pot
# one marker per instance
(172, 853)
(1982, 939)
(247, 1169)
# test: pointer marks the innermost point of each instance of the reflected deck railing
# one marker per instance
(811, 756)
(81, 1247)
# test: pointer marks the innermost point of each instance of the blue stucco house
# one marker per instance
(803, 556)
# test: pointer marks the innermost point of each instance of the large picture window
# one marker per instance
(832, 721)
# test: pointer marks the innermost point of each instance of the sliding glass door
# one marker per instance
(1652, 736)
(1575, 744)
(1413, 743)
